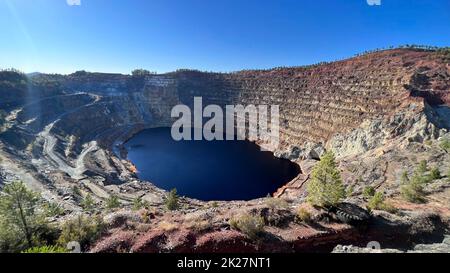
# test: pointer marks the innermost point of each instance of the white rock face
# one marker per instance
(376, 133)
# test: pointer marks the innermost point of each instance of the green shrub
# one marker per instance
(139, 203)
(435, 173)
(420, 176)
(422, 168)
(303, 215)
(214, 204)
(252, 226)
(445, 144)
(349, 191)
(88, 203)
(413, 191)
(45, 249)
(326, 187)
(172, 200)
(112, 202)
(9, 239)
(82, 229)
(369, 192)
(76, 191)
(52, 209)
(376, 202)
(404, 178)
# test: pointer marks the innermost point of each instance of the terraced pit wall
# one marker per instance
(315, 102)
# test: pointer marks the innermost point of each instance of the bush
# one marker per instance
(252, 226)
(76, 191)
(82, 229)
(303, 215)
(172, 200)
(214, 204)
(445, 144)
(413, 191)
(45, 249)
(377, 202)
(138, 204)
(167, 226)
(274, 203)
(350, 191)
(404, 179)
(52, 209)
(326, 187)
(112, 202)
(9, 241)
(369, 192)
(435, 173)
(88, 203)
(422, 168)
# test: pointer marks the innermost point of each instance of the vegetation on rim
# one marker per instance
(326, 187)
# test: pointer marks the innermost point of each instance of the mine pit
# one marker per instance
(208, 170)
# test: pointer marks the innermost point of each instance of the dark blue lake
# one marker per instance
(208, 170)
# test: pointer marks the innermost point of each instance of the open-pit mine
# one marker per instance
(381, 114)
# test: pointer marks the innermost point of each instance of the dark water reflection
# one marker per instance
(217, 170)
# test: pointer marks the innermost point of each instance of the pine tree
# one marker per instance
(413, 191)
(326, 187)
(172, 200)
(18, 211)
(112, 202)
(435, 173)
(422, 168)
(88, 203)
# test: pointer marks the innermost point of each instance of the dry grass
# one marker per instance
(199, 226)
(166, 226)
(252, 226)
(276, 203)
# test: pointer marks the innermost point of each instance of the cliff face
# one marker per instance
(315, 102)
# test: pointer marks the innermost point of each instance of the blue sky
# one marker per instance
(215, 35)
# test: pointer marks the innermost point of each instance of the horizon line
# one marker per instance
(153, 72)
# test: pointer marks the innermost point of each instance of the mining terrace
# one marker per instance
(381, 113)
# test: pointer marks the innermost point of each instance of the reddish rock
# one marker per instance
(228, 241)
(152, 242)
(181, 241)
(118, 242)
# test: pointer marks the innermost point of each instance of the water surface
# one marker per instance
(208, 170)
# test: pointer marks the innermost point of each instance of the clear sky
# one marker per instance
(215, 35)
